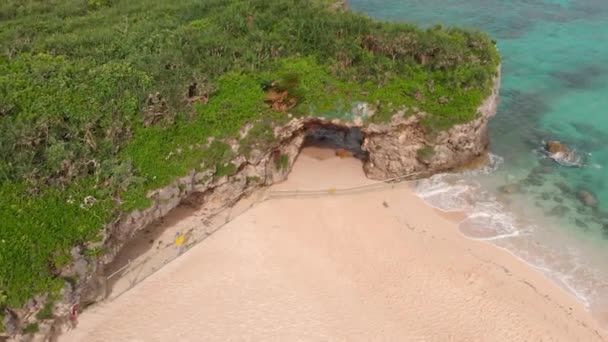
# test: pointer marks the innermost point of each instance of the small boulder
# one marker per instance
(587, 198)
(554, 147)
(343, 153)
(509, 188)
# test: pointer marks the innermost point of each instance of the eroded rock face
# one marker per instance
(393, 148)
(202, 189)
(11, 322)
(402, 147)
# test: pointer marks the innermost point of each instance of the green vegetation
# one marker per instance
(425, 153)
(104, 100)
(225, 170)
(282, 162)
(31, 328)
(46, 312)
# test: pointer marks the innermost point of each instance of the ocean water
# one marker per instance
(554, 87)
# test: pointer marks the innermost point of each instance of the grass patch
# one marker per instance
(425, 153)
(31, 328)
(282, 162)
(225, 170)
(46, 312)
(103, 101)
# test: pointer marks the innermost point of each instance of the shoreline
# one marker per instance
(557, 274)
(464, 289)
(545, 272)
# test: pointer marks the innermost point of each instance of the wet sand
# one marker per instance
(360, 267)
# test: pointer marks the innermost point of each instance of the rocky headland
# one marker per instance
(202, 107)
(395, 149)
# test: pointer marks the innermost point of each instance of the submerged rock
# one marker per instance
(546, 169)
(565, 188)
(562, 153)
(533, 180)
(559, 211)
(545, 196)
(477, 163)
(587, 198)
(579, 223)
(541, 169)
(546, 162)
(510, 188)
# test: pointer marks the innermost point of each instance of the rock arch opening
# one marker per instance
(345, 141)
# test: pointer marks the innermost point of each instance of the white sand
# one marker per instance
(374, 266)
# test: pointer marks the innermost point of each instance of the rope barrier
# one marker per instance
(170, 253)
(333, 191)
(119, 270)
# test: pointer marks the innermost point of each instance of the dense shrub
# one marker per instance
(103, 100)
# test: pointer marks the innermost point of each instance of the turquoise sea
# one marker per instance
(554, 87)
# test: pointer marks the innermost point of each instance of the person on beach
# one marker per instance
(74, 316)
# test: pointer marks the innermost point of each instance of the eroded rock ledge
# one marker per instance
(397, 148)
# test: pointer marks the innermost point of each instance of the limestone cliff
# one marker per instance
(402, 146)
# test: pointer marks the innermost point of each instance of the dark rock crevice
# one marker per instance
(348, 140)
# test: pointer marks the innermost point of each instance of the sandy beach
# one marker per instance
(374, 266)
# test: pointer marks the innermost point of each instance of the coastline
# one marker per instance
(311, 268)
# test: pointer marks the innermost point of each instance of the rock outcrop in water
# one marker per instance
(562, 154)
(398, 148)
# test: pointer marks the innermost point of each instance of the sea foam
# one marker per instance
(490, 219)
